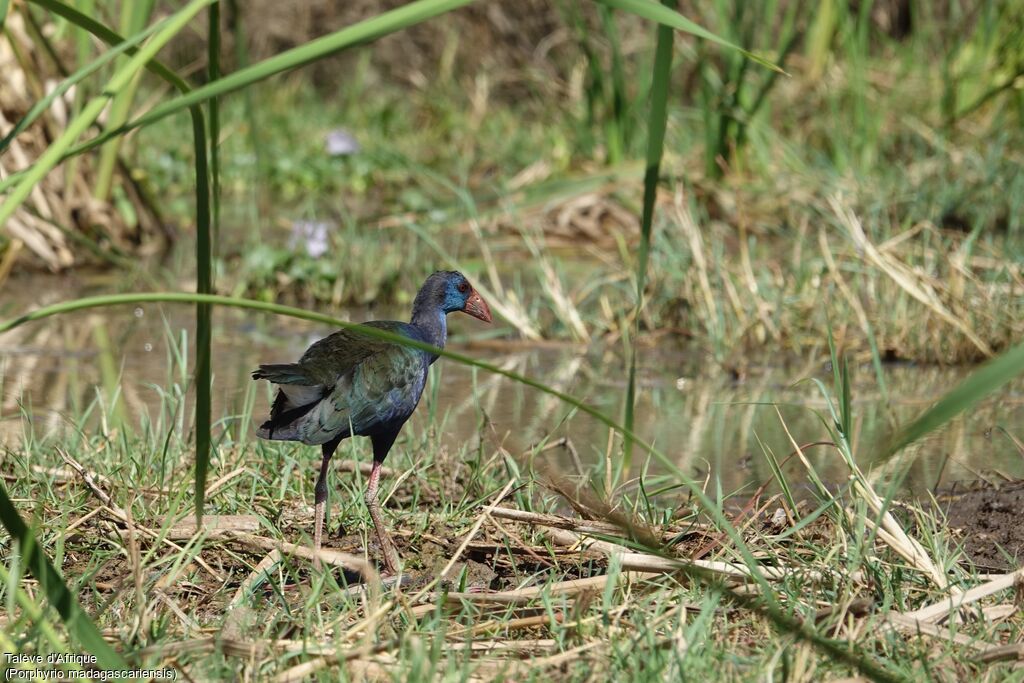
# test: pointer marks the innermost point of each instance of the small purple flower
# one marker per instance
(310, 234)
(339, 142)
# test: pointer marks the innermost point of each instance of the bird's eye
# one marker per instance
(463, 287)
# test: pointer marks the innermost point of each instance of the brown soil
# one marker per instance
(989, 517)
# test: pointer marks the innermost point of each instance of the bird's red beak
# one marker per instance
(477, 307)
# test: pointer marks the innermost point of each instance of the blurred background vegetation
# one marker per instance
(876, 184)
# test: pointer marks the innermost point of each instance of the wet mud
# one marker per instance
(989, 518)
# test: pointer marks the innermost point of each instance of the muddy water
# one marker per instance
(706, 421)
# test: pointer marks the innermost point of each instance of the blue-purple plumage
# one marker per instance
(346, 384)
(353, 384)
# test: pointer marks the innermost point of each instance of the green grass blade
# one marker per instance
(694, 488)
(652, 11)
(254, 129)
(203, 244)
(110, 375)
(213, 73)
(657, 122)
(110, 37)
(776, 468)
(840, 386)
(982, 382)
(616, 126)
(204, 285)
(86, 303)
(205, 194)
(57, 593)
(766, 601)
(32, 609)
(846, 399)
(362, 32)
(766, 87)
(1009, 83)
(134, 16)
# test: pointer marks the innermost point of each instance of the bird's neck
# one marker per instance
(433, 324)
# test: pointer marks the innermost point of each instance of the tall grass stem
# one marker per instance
(657, 123)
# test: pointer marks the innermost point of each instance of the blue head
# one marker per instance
(449, 291)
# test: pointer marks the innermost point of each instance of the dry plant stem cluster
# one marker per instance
(887, 527)
(47, 230)
(925, 620)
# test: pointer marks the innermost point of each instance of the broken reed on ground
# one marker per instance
(495, 586)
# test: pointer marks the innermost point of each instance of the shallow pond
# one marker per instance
(706, 420)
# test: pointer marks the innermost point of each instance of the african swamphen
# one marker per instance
(352, 384)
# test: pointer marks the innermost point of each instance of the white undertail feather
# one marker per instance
(299, 395)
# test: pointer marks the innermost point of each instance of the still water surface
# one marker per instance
(703, 418)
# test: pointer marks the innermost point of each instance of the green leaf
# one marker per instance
(767, 602)
(657, 123)
(204, 258)
(207, 203)
(652, 11)
(54, 153)
(110, 37)
(362, 32)
(982, 382)
(204, 317)
(78, 76)
(368, 30)
(695, 489)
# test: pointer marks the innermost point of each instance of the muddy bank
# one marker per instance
(987, 517)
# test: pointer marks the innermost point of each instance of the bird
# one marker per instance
(353, 384)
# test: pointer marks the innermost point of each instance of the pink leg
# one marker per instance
(391, 561)
(320, 503)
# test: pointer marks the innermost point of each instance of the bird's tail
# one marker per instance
(281, 373)
(283, 425)
(297, 395)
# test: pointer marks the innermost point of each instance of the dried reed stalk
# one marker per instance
(62, 206)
